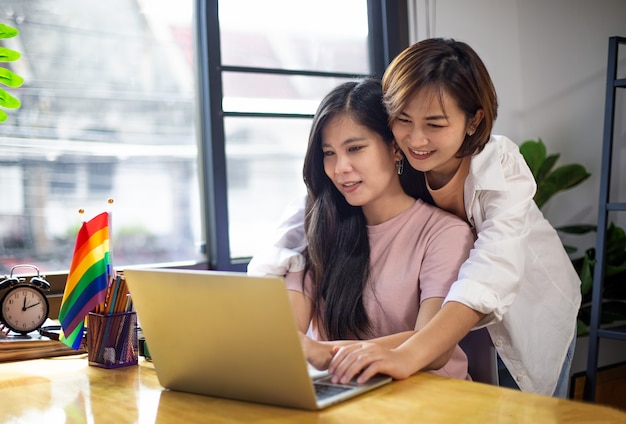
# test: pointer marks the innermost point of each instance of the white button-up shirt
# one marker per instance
(518, 272)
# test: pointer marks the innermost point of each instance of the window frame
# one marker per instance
(388, 35)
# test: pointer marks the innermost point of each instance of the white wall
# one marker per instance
(548, 62)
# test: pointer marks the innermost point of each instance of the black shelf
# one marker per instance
(604, 207)
(612, 334)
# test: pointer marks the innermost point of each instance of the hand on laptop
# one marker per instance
(363, 360)
(317, 353)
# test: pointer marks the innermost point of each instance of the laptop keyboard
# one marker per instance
(324, 391)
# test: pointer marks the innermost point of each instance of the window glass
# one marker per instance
(264, 173)
(264, 155)
(320, 35)
(266, 93)
(107, 111)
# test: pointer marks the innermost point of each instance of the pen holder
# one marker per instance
(112, 339)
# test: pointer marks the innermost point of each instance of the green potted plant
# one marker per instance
(8, 77)
(550, 181)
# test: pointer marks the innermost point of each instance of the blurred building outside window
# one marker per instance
(109, 110)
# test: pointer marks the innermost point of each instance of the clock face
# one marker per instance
(24, 308)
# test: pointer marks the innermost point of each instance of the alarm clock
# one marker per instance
(24, 307)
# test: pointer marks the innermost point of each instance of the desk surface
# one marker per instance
(67, 389)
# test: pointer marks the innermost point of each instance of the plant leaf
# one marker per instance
(570, 249)
(611, 270)
(577, 229)
(568, 176)
(562, 178)
(3, 116)
(8, 55)
(534, 153)
(544, 192)
(586, 274)
(546, 167)
(10, 78)
(615, 244)
(7, 31)
(7, 100)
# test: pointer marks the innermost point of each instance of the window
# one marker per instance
(264, 79)
(119, 102)
(107, 111)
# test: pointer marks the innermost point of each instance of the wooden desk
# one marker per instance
(67, 389)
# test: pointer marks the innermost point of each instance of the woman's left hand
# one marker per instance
(366, 359)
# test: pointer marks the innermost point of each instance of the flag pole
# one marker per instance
(111, 270)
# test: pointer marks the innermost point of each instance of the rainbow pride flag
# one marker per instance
(87, 280)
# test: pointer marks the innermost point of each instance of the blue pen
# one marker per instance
(115, 290)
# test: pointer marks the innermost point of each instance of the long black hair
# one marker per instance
(338, 253)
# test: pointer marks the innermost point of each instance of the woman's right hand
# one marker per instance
(318, 354)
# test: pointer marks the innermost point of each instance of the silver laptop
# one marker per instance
(230, 335)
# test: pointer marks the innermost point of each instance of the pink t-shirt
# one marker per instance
(414, 256)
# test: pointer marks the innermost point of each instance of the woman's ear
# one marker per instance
(475, 121)
(397, 152)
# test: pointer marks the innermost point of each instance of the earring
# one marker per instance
(400, 166)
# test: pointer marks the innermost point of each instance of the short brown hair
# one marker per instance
(449, 66)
